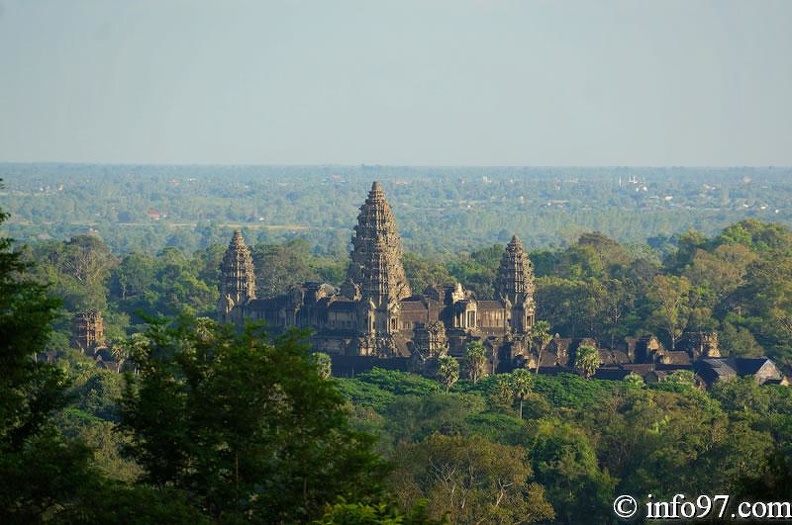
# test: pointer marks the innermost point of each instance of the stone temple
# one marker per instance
(375, 313)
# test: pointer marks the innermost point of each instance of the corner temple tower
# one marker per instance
(237, 278)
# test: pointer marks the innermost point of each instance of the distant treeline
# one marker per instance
(438, 210)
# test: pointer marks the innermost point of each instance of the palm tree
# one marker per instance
(521, 382)
(475, 360)
(587, 361)
(324, 365)
(448, 371)
(541, 337)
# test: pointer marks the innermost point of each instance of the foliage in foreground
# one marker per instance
(253, 430)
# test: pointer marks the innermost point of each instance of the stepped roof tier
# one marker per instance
(515, 278)
(238, 280)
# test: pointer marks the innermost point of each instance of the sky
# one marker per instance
(402, 82)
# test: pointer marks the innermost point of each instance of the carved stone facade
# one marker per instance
(375, 313)
(88, 331)
(701, 344)
(515, 286)
(376, 270)
(238, 280)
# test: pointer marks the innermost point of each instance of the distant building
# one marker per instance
(375, 313)
(88, 331)
(375, 319)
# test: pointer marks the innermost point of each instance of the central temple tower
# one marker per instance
(514, 285)
(376, 268)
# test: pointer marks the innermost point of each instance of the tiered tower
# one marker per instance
(88, 331)
(376, 267)
(515, 286)
(237, 278)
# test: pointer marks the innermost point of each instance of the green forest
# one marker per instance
(217, 425)
(440, 211)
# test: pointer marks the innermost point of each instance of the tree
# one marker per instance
(772, 482)
(735, 340)
(423, 273)
(79, 271)
(471, 480)
(540, 337)
(500, 396)
(759, 237)
(520, 382)
(683, 378)
(720, 271)
(324, 365)
(687, 244)
(286, 264)
(252, 428)
(571, 306)
(475, 360)
(478, 270)
(169, 284)
(132, 277)
(610, 253)
(376, 514)
(565, 463)
(617, 300)
(669, 297)
(177, 289)
(764, 304)
(633, 380)
(587, 360)
(41, 472)
(653, 440)
(448, 371)
(135, 344)
(411, 418)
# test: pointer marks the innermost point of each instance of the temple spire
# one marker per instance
(377, 253)
(515, 284)
(237, 278)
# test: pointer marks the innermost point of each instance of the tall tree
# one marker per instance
(79, 270)
(41, 472)
(764, 304)
(475, 360)
(324, 365)
(448, 371)
(471, 480)
(282, 265)
(587, 360)
(565, 463)
(132, 277)
(252, 428)
(521, 382)
(540, 337)
(669, 297)
(423, 273)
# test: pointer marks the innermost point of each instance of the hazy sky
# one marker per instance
(419, 82)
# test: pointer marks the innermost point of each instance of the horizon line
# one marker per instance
(381, 165)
